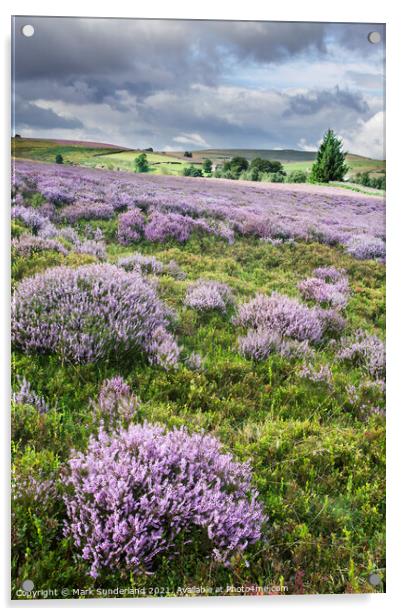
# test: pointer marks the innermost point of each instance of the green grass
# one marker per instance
(318, 463)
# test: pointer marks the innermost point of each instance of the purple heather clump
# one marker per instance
(29, 217)
(91, 247)
(194, 361)
(161, 226)
(209, 295)
(259, 344)
(366, 247)
(334, 294)
(365, 350)
(329, 274)
(163, 348)
(321, 375)
(282, 315)
(116, 402)
(89, 313)
(130, 226)
(331, 320)
(56, 193)
(26, 395)
(141, 263)
(134, 494)
(85, 211)
(27, 244)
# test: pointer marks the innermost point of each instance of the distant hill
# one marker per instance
(105, 155)
(281, 155)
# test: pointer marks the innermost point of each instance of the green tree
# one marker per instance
(59, 159)
(192, 171)
(207, 166)
(141, 163)
(330, 163)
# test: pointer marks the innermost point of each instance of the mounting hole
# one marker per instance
(374, 38)
(28, 30)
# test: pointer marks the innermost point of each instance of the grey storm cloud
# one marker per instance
(30, 115)
(147, 82)
(311, 103)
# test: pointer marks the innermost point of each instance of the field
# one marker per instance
(168, 163)
(292, 382)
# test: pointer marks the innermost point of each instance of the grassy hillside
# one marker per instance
(105, 156)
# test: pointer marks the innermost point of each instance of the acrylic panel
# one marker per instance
(198, 311)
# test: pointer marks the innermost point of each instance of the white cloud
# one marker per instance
(369, 137)
(192, 139)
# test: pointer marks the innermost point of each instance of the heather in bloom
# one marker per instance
(365, 350)
(88, 313)
(141, 263)
(366, 247)
(332, 293)
(116, 404)
(161, 226)
(130, 226)
(26, 395)
(29, 217)
(281, 315)
(194, 361)
(321, 375)
(259, 344)
(27, 244)
(209, 295)
(133, 494)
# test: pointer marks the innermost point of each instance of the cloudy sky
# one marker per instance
(177, 85)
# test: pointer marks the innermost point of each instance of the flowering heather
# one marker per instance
(321, 375)
(366, 247)
(260, 343)
(329, 274)
(134, 494)
(141, 263)
(209, 295)
(194, 361)
(334, 294)
(26, 395)
(116, 402)
(130, 226)
(27, 244)
(176, 207)
(331, 320)
(85, 211)
(29, 217)
(88, 313)
(163, 348)
(161, 226)
(281, 315)
(91, 247)
(365, 350)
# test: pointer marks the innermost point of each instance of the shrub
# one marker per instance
(334, 294)
(26, 395)
(134, 494)
(141, 264)
(162, 226)
(281, 315)
(366, 247)
(192, 171)
(116, 404)
(365, 350)
(88, 313)
(130, 226)
(27, 244)
(297, 177)
(259, 344)
(208, 295)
